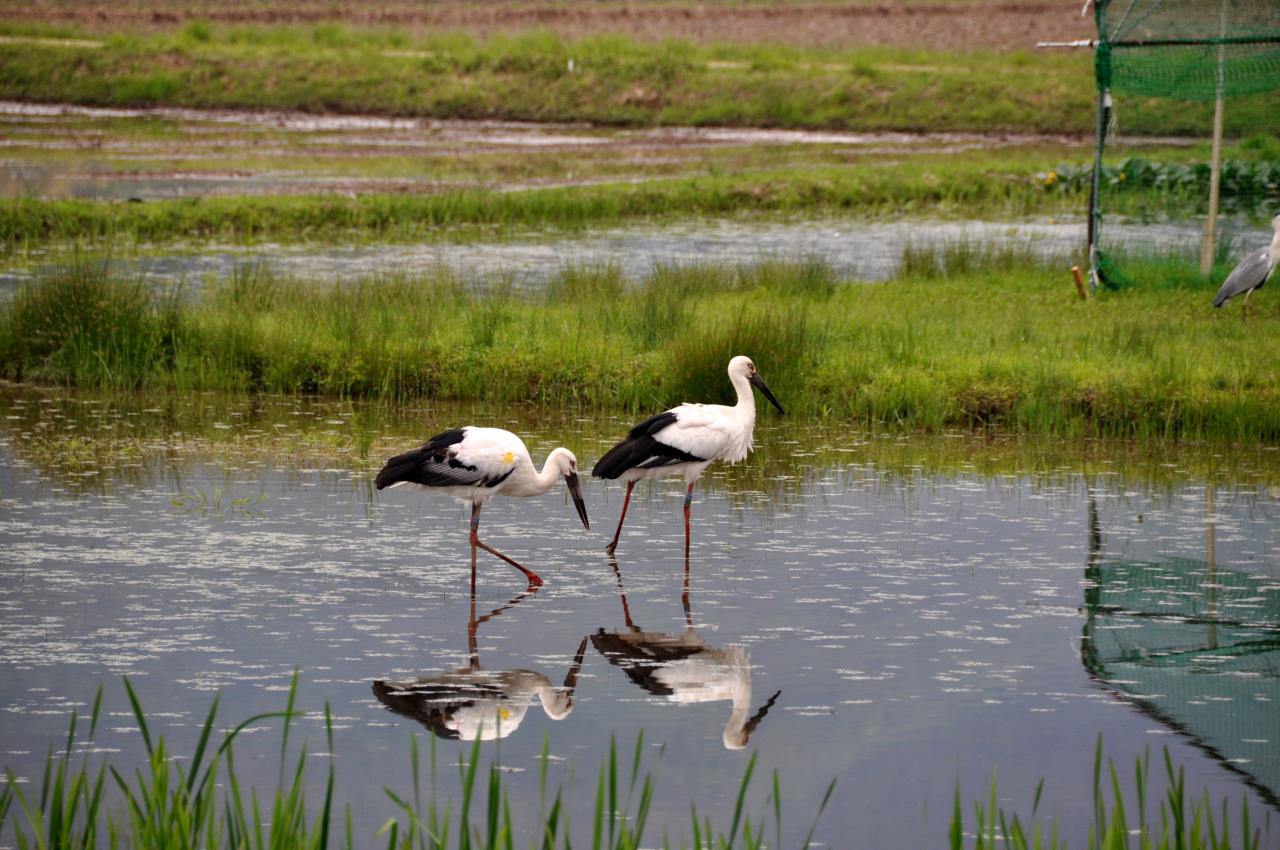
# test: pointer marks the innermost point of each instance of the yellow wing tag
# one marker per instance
(509, 457)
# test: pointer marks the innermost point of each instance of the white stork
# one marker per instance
(475, 464)
(685, 440)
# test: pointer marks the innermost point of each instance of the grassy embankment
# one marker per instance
(976, 183)
(990, 184)
(203, 802)
(611, 80)
(994, 340)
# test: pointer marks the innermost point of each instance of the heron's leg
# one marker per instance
(534, 579)
(613, 544)
(688, 500)
(1244, 309)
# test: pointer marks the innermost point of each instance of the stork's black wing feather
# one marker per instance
(433, 465)
(640, 450)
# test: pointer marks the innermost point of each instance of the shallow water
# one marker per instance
(858, 250)
(926, 610)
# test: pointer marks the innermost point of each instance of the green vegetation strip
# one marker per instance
(539, 76)
(964, 337)
(973, 184)
(202, 801)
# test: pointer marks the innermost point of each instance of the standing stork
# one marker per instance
(685, 440)
(1251, 272)
(475, 464)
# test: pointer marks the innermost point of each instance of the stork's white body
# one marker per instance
(686, 439)
(496, 455)
(475, 464)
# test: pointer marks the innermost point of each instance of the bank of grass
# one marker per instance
(976, 184)
(615, 80)
(959, 340)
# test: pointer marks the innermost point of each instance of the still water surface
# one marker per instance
(896, 613)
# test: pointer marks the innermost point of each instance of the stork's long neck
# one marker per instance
(546, 479)
(534, 483)
(746, 406)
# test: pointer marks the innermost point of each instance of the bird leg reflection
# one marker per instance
(626, 609)
(473, 622)
(688, 500)
(534, 579)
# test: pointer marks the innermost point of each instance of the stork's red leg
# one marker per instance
(613, 544)
(534, 579)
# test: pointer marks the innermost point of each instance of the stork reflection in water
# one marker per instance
(684, 668)
(472, 702)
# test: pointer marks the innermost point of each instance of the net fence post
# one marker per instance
(1095, 186)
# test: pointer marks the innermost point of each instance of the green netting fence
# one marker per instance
(1162, 64)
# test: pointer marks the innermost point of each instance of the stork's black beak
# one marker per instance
(575, 490)
(758, 383)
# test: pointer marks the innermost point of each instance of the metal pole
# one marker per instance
(1095, 185)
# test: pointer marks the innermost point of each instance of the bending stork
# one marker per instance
(475, 464)
(685, 440)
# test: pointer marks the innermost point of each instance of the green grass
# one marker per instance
(201, 801)
(962, 339)
(615, 80)
(976, 184)
(1120, 823)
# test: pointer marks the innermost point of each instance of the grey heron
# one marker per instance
(475, 464)
(685, 440)
(1251, 272)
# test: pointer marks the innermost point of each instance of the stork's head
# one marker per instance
(1275, 223)
(567, 465)
(741, 366)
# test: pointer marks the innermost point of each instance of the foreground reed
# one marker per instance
(206, 804)
(963, 337)
(1182, 823)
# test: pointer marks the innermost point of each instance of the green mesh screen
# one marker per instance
(1188, 49)
(1160, 65)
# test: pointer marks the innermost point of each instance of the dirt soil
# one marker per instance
(939, 25)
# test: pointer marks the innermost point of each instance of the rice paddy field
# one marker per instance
(1007, 573)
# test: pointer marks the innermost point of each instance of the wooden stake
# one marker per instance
(1075, 272)
(1215, 179)
(1215, 162)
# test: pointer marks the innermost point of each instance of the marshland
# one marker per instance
(1006, 572)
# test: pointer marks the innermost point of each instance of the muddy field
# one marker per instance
(938, 25)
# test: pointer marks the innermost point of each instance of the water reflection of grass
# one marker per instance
(989, 345)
